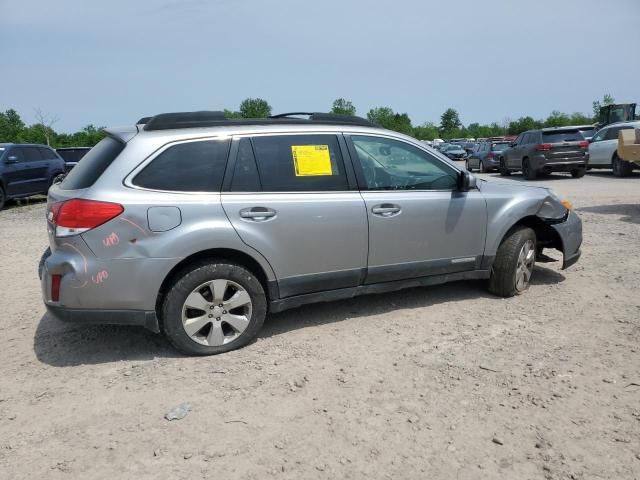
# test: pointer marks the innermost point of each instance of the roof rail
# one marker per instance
(329, 118)
(166, 121)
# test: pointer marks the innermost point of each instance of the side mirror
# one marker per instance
(512, 144)
(590, 140)
(12, 159)
(467, 181)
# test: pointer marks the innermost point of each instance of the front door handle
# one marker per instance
(386, 209)
(257, 214)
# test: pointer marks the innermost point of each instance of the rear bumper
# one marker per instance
(559, 164)
(140, 318)
(570, 232)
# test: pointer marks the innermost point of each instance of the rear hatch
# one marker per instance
(565, 144)
(62, 198)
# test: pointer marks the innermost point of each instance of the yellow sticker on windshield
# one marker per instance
(311, 160)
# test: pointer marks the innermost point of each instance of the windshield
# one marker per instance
(562, 136)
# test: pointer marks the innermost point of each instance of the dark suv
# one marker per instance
(27, 170)
(72, 155)
(562, 149)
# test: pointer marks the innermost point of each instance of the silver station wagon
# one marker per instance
(197, 226)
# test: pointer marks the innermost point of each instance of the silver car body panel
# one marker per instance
(316, 241)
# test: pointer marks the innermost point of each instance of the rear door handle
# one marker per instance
(257, 213)
(385, 209)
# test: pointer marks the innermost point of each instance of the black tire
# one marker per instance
(578, 172)
(528, 172)
(620, 167)
(467, 166)
(504, 171)
(3, 197)
(197, 275)
(502, 281)
(482, 167)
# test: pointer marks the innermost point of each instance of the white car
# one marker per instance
(603, 149)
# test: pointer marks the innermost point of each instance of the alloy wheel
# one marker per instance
(526, 262)
(216, 312)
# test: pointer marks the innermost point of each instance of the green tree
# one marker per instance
(343, 107)
(255, 108)
(11, 125)
(426, 131)
(523, 124)
(606, 100)
(232, 114)
(557, 119)
(450, 123)
(387, 118)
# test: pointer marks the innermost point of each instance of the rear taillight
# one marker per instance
(55, 287)
(75, 216)
(490, 156)
(544, 147)
(583, 144)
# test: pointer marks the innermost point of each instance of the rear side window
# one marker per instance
(186, 167)
(47, 153)
(300, 163)
(562, 136)
(93, 164)
(612, 133)
(32, 154)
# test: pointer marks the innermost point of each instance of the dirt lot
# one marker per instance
(443, 383)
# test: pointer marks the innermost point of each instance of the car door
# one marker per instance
(597, 149)
(610, 143)
(513, 157)
(16, 172)
(38, 168)
(293, 198)
(420, 224)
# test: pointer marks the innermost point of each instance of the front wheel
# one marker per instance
(621, 168)
(213, 308)
(504, 171)
(513, 266)
(578, 172)
(527, 171)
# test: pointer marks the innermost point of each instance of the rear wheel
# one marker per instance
(578, 172)
(513, 266)
(621, 168)
(527, 171)
(504, 171)
(213, 308)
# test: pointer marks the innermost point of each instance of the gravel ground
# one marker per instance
(442, 382)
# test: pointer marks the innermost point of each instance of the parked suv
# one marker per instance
(562, 149)
(197, 226)
(27, 170)
(603, 149)
(72, 155)
(485, 156)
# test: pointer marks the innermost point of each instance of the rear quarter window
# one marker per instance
(93, 164)
(186, 167)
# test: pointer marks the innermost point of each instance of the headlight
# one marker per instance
(553, 208)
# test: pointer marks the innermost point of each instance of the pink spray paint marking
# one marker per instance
(100, 277)
(111, 240)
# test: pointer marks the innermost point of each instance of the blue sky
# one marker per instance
(109, 63)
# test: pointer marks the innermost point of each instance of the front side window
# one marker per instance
(300, 163)
(389, 164)
(600, 135)
(186, 167)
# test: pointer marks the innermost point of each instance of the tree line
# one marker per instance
(14, 130)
